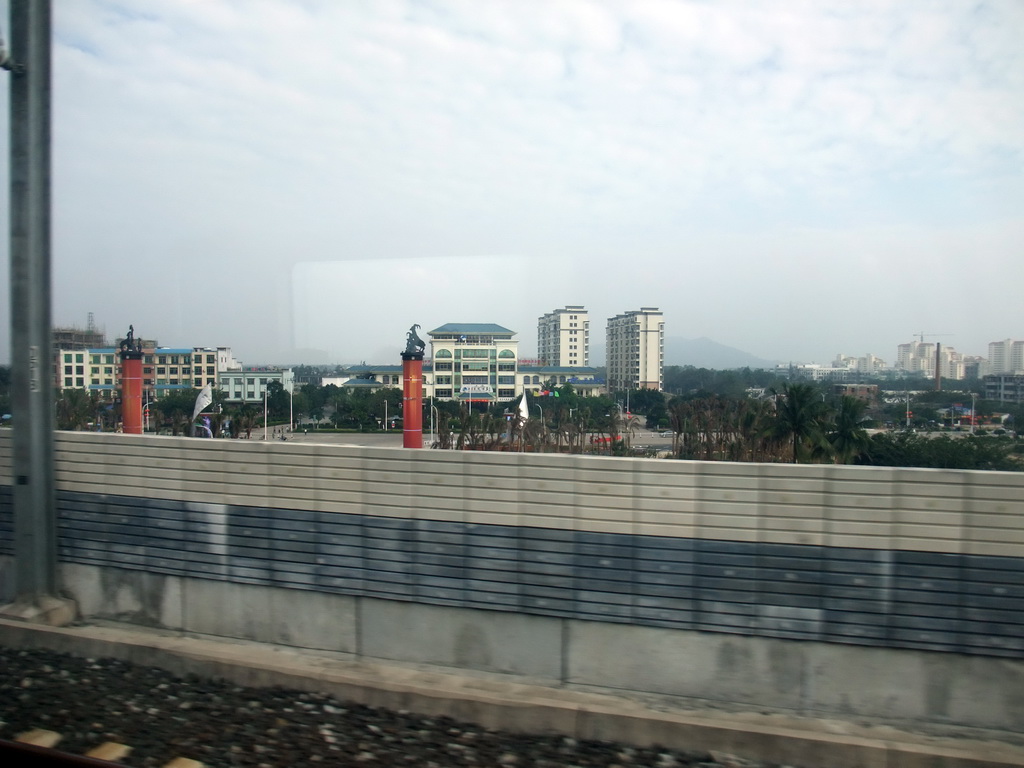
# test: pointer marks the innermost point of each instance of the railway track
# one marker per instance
(38, 748)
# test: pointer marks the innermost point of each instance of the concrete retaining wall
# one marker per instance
(801, 677)
(869, 591)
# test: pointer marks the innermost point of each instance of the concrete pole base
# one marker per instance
(47, 610)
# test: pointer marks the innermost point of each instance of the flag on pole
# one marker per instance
(204, 399)
(524, 411)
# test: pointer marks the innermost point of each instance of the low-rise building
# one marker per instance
(248, 384)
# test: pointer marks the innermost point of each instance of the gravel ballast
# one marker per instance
(90, 701)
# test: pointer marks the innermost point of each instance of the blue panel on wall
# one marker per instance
(862, 596)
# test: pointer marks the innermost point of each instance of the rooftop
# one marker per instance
(476, 329)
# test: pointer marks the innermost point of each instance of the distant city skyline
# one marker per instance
(795, 181)
(528, 347)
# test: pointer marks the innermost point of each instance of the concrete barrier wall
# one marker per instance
(620, 559)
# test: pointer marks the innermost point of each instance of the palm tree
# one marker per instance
(847, 436)
(799, 417)
(74, 409)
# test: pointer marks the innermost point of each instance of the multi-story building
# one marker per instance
(817, 372)
(164, 369)
(530, 377)
(535, 378)
(563, 337)
(474, 362)
(636, 350)
(169, 367)
(1006, 388)
(868, 365)
(248, 384)
(1006, 356)
(920, 357)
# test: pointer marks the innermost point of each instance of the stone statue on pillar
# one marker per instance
(414, 345)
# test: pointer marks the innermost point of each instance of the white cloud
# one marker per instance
(244, 138)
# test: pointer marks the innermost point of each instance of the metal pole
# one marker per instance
(35, 520)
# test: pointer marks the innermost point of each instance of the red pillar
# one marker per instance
(412, 400)
(131, 387)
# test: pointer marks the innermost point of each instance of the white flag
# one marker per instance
(204, 399)
(524, 410)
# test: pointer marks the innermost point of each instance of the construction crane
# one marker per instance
(938, 348)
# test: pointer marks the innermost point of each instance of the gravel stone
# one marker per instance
(160, 716)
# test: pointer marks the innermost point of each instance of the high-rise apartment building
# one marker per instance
(563, 337)
(920, 357)
(636, 350)
(1006, 356)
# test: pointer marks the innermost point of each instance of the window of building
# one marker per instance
(161, 371)
(162, 360)
(506, 393)
(67, 358)
(506, 379)
(68, 369)
(79, 382)
(444, 379)
(443, 353)
(67, 381)
(442, 393)
(174, 359)
(506, 366)
(238, 394)
(506, 353)
(107, 381)
(442, 366)
(211, 359)
(94, 359)
(210, 370)
(80, 370)
(199, 383)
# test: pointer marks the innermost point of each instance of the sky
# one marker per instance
(302, 180)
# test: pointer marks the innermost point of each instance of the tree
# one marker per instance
(175, 410)
(75, 409)
(847, 434)
(907, 449)
(799, 418)
(278, 401)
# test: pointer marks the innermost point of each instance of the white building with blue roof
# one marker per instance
(474, 362)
